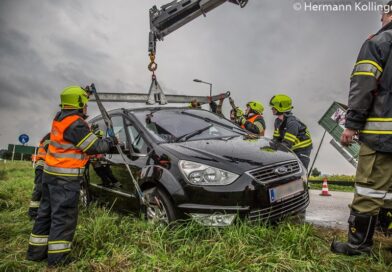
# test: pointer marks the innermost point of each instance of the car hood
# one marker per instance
(236, 155)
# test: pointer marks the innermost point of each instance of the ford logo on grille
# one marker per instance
(281, 170)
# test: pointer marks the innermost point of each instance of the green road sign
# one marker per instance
(23, 149)
(333, 122)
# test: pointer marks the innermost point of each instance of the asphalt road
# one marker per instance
(329, 211)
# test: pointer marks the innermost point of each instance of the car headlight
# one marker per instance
(201, 174)
(304, 176)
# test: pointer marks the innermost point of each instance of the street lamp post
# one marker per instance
(201, 81)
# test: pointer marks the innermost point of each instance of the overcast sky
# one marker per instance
(266, 48)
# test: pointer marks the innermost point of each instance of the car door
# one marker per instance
(134, 146)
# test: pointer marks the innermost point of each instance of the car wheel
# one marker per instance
(84, 196)
(160, 209)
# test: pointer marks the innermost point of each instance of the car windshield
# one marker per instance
(174, 125)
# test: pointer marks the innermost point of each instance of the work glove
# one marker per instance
(113, 140)
(94, 127)
(241, 120)
(238, 113)
(239, 116)
(99, 133)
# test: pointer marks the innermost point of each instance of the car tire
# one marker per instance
(84, 196)
(161, 209)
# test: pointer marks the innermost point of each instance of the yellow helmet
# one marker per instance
(281, 103)
(73, 97)
(256, 106)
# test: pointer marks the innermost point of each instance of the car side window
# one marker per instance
(137, 140)
(119, 129)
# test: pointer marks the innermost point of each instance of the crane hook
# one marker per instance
(153, 65)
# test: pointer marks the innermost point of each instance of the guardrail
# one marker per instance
(333, 182)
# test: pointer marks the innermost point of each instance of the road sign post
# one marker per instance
(13, 153)
(35, 156)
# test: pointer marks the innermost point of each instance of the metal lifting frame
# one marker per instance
(143, 98)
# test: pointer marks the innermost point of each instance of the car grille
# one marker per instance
(280, 210)
(276, 171)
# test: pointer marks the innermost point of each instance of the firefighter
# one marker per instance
(71, 141)
(289, 130)
(39, 160)
(370, 117)
(252, 120)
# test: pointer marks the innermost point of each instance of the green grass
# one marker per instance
(107, 241)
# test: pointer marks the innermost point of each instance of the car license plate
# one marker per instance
(287, 190)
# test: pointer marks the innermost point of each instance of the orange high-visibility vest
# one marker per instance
(41, 154)
(39, 158)
(63, 157)
(252, 119)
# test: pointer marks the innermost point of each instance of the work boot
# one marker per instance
(60, 262)
(385, 221)
(360, 235)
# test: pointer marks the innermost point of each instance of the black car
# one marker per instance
(191, 163)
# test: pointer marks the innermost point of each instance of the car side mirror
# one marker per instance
(132, 153)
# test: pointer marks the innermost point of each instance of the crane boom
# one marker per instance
(177, 13)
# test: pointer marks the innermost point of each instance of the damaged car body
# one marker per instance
(191, 163)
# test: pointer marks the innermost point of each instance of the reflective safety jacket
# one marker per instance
(70, 143)
(255, 124)
(292, 133)
(39, 158)
(370, 99)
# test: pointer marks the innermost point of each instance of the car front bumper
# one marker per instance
(211, 215)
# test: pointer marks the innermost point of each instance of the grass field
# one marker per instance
(107, 241)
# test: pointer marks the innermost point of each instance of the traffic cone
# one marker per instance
(324, 191)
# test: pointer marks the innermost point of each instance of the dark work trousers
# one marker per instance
(37, 192)
(55, 224)
(105, 173)
(303, 155)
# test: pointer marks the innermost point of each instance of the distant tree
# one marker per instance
(315, 172)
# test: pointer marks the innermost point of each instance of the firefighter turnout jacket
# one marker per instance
(254, 124)
(370, 98)
(292, 132)
(295, 135)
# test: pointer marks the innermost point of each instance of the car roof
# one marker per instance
(123, 110)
